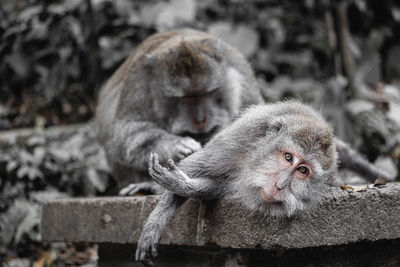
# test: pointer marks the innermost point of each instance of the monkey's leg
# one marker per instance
(144, 187)
(176, 181)
(149, 239)
(352, 160)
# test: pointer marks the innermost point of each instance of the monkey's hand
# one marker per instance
(144, 187)
(184, 147)
(171, 178)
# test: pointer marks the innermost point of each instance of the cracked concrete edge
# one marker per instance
(344, 217)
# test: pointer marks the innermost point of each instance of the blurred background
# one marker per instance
(342, 57)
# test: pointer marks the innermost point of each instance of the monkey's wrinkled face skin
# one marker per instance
(283, 180)
(289, 165)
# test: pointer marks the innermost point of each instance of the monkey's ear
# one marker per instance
(212, 47)
(274, 128)
(218, 44)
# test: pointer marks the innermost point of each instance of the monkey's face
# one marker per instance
(201, 93)
(203, 105)
(288, 176)
(199, 116)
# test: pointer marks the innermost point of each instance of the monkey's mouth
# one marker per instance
(268, 197)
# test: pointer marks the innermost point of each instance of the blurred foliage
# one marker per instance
(37, 166)
(54, 56)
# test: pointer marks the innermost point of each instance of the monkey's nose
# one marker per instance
(283, 182)
(200, 122)
(267, 196)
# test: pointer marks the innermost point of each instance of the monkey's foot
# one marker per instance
(147, 188)
(147, 248)
(171, 178)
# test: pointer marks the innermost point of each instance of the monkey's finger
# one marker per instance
(125, 191)
(137, 254)
(134, 191)
(142, 256)
(148, 262)
(188, 149)
(156, 166)
(151, 157)
(151, 160)
(184, 150)
(155, 156)
(154, 250)
(171, 165)
(180, 156)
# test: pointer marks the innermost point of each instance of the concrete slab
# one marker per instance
(345, 217)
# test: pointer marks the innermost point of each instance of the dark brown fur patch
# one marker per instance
(188, 59)
(153, 42)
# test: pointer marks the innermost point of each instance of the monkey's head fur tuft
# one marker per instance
(189, 59)
(290, 161)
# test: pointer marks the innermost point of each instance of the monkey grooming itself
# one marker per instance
(276, 159)
(170, 96)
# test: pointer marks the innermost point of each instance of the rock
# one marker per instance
(227, 224)
(349, 229)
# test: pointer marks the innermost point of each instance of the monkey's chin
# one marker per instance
(267, 197)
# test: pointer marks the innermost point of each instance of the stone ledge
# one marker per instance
(345, 217)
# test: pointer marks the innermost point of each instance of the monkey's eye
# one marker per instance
(303, 170)
(288, 157)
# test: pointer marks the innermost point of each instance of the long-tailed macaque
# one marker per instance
(276, 159)
(174, 92)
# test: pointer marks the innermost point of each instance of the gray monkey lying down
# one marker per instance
(276, 159)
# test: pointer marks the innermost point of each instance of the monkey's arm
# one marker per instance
(131, 142)
(352, 160)
(150, 237)
(176, 181)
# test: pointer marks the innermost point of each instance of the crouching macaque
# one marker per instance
(276, 159)
(175, 91)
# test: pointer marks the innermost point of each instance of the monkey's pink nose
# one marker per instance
(200, 123)
(267, 197)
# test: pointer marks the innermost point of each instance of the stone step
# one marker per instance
(344, 218)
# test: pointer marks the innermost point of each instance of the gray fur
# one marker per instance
(175, 91)
(244, 157)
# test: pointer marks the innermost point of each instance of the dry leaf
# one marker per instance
(359, 188)
(354, 188)
(46, 259)
(345, 187)
(380, 181)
